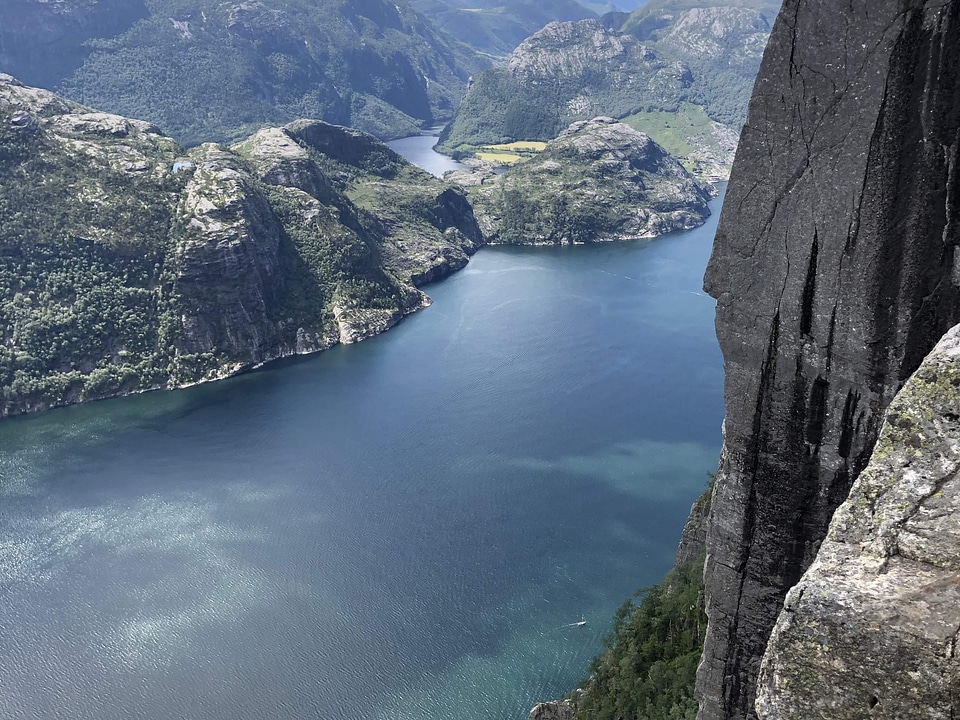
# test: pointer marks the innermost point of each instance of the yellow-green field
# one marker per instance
(510, 153)
(500, 158)
(520, 146)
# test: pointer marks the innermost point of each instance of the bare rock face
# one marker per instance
(570, 49)
(554, 710)
(871, 630)
(227, 263)
(835, 272)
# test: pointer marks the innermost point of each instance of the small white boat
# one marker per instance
(581, 623)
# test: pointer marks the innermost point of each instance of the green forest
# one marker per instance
(211, 71)
(649, 665)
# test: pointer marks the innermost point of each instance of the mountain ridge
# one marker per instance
(136, 265)
(204, 70)
(636, 67)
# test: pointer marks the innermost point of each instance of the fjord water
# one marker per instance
(399, 529)
(418, 149)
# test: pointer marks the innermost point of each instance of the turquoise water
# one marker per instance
(395, 529)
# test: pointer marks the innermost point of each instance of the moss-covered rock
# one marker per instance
(871, 629)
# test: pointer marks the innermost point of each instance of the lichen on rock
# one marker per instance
(871, 629)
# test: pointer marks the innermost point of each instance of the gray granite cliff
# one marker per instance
(835, 271)
(871, 630)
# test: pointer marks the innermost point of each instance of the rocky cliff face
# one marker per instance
(835, 271)
(128, 264)
(871, 630)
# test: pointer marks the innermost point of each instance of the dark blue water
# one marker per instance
(391, 530)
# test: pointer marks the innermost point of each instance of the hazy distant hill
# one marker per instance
(721, 41)
(496, 27)
(207, 70)
(698, 59)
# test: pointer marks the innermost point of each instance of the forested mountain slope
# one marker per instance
(127, 264)
(669, 57)
(206, 70)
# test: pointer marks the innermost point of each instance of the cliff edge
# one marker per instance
(835, 270)
(871, 629)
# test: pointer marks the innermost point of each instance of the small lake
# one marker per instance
(399, 529)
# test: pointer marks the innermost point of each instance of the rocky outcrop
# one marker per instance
(599, 180)
(128, 264)
(553, 710)
(693, 539)
(835, 270)
(871, 629)
(227, 261)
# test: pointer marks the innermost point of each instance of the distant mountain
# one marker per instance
(720, 41)
(211, 70)
(599, 180)
(127, 263)
(496, 27)
(668, 57)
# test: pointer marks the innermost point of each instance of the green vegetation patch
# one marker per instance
(85, 307)
(510, 153)
(649, 665)
(674, 131)
(688, 134)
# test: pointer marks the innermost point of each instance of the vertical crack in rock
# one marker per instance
(835, 271)
(871, 628)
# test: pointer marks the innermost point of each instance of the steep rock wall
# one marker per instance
(835, 271)
(871, 630)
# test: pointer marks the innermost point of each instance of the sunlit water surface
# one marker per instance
(399, 529)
